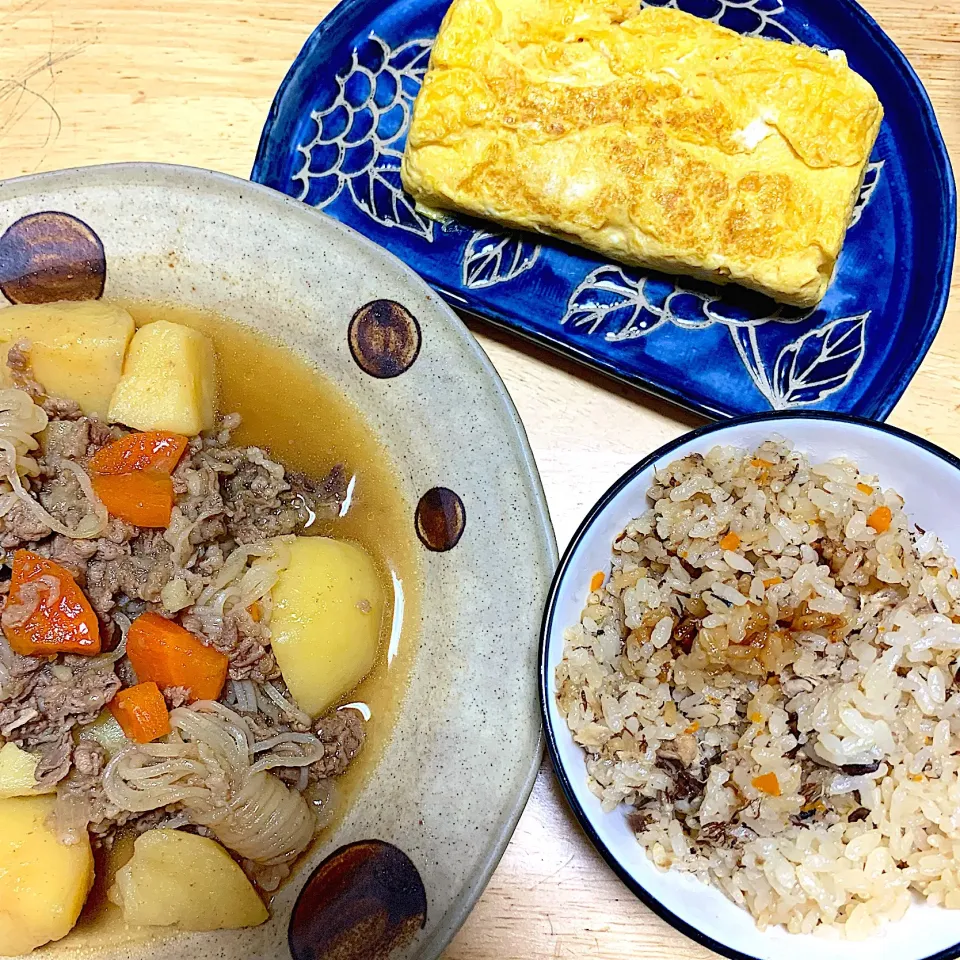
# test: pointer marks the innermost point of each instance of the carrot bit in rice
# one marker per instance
(596, 582)
(767, 783)
(880, 519)
(730, 542)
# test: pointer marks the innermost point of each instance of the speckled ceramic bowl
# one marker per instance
(426, 829)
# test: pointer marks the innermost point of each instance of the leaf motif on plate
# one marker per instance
(747, 342)
(608, 297)
(492, 258)
(360, 133)
(870, 180)
(380, 194)
(689, 309)
(631, 305)
(818, 363)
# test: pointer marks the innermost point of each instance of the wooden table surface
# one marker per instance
(190, 81)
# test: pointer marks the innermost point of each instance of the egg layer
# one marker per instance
(649, 135)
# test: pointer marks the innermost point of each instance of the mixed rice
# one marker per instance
(766, 680)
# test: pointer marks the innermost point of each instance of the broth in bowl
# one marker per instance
(210, 585)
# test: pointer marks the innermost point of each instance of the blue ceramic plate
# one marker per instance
(335, 136)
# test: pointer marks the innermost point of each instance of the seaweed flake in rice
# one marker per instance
(765, 681)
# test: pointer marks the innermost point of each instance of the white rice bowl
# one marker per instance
(760, 698)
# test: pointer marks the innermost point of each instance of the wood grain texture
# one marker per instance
(190, 81)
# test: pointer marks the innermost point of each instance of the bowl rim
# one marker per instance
(546, 682)
(107, 174)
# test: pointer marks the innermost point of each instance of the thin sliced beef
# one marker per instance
(70, 554)
(61, 494)
(245, 642)
(176, 696)
(82, 803)
(17, 674)
(136, 570)
(321, 498)
(89, 758)
(225, 497)
(66, 438)
(243, 494)
(77, 439)
(100, 434)
(342, 734)
(41, 717)
(20, 526)
(18, 362)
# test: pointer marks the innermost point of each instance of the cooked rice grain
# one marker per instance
(778, 711)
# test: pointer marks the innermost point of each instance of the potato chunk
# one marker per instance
(327, 608)
(169, 381)
(107, 732)
(76, 349)
(177, 879)
(17, 769)
(43, 883)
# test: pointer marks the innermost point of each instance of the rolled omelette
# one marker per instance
(651, 136)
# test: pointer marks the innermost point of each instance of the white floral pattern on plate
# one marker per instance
(360, 137)
(492, 257)
(817, 363)
(870, 180)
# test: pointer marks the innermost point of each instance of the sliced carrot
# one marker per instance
(154, 450)
(760, 462)
(693, 728)
(142, 498)
(767, 783)
(162, 651)
(141, 712)
(730, 542)
(255, 611)
(880, 519)
(56, 616)
(596, 582)
(865, 488)
(773, 581)
(132, 476)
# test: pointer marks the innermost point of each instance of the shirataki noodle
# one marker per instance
(213, 766)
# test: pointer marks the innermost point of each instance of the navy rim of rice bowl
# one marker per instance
(569, 759)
